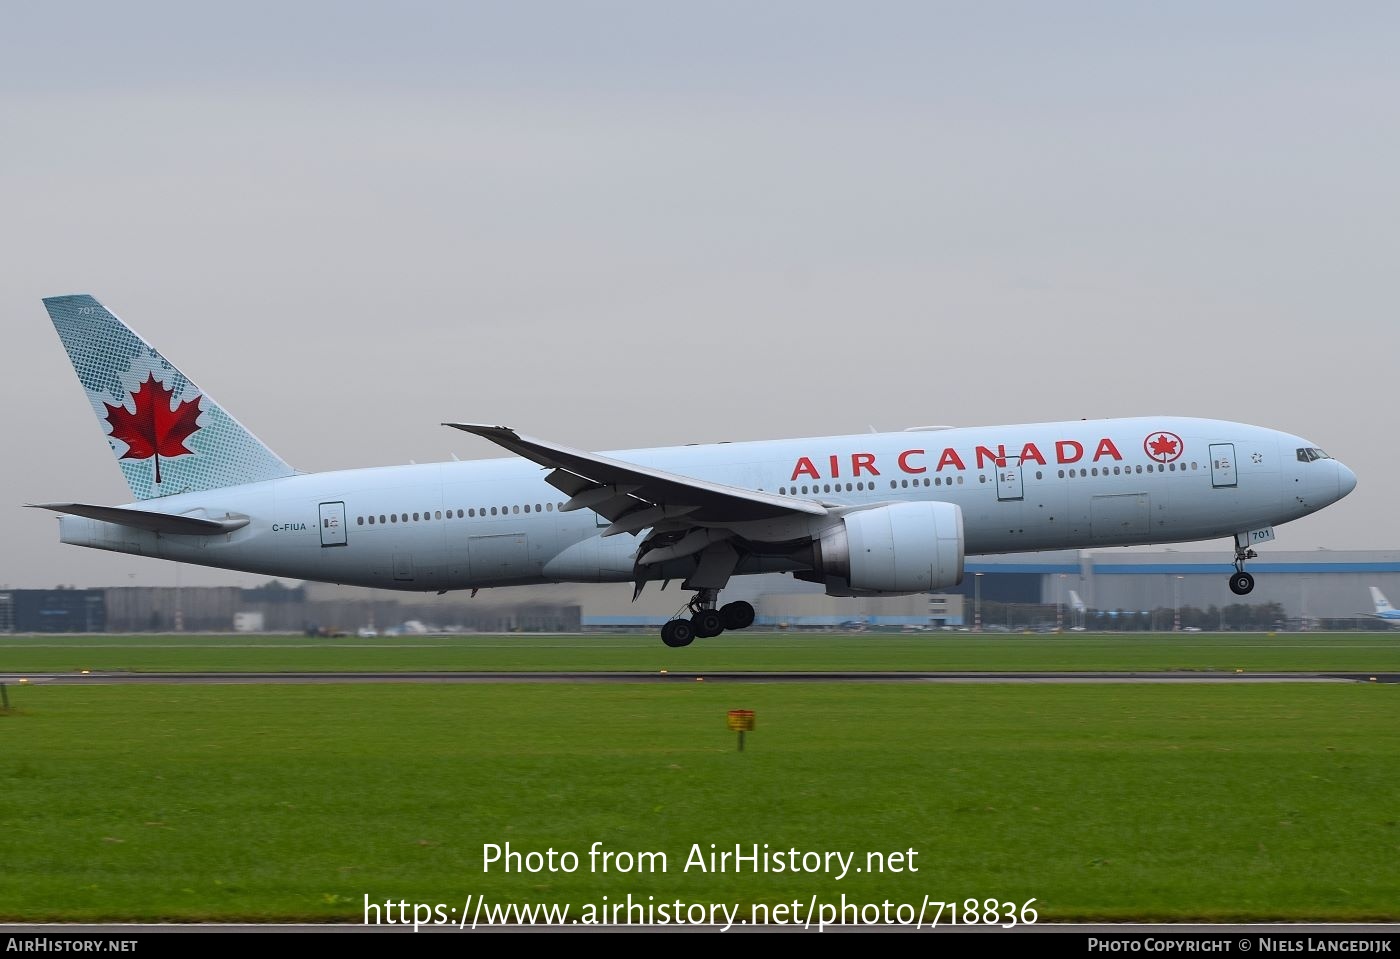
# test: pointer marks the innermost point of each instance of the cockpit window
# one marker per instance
(1309, 453)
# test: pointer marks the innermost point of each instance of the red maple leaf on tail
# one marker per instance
(1162, 446)
(154, 430)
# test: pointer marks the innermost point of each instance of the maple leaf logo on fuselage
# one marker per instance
(154, 430)
(1163, 447)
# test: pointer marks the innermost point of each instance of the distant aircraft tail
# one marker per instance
(1382, 604)
(168, 435)
(1075, 602)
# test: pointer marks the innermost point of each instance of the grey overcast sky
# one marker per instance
(635, 224)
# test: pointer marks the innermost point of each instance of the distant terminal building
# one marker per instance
(1309, 586)
(1306, 586)
(53, 611)
(272, 608)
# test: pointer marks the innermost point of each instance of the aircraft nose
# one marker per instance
(1346, 480)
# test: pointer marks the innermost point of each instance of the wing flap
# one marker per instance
(601, 498)
(568, 483)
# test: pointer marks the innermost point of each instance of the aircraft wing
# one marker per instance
(635, 497)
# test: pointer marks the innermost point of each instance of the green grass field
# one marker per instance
(1226, 652)
(275, 802)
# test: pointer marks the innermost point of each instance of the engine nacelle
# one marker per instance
(900, 548)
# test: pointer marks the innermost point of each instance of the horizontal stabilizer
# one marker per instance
(149, 520)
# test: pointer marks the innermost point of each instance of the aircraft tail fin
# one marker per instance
(1382, 604)
(1075, 602)
(168, 435)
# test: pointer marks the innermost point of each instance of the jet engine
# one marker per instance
(890, 550)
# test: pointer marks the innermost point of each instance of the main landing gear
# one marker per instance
(705, 620)
(1241, 583)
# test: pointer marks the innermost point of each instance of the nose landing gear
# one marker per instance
(1241, 583)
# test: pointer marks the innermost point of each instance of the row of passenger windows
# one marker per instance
(1116, 471)
(862, 485)
(937, 481)
(828, 488)
(1161, 468)
(383, 519)
(982, 478)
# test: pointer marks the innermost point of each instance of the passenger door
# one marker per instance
(333, 524)
(1222, 465)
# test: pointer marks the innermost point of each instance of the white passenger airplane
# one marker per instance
(1385, 612)
(868, 515)
(1080, 609)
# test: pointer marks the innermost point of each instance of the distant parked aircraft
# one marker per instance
(1077, 619)
(1385, 612)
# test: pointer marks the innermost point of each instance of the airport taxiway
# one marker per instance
(662, 676)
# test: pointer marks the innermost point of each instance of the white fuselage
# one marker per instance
(497, 522)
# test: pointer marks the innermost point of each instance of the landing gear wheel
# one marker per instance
(707, 623)
(1241, 583)
(677, 633)
(737, 615)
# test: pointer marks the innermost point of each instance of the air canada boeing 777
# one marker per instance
(865, 515)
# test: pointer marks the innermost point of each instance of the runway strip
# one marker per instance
(268, 678)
